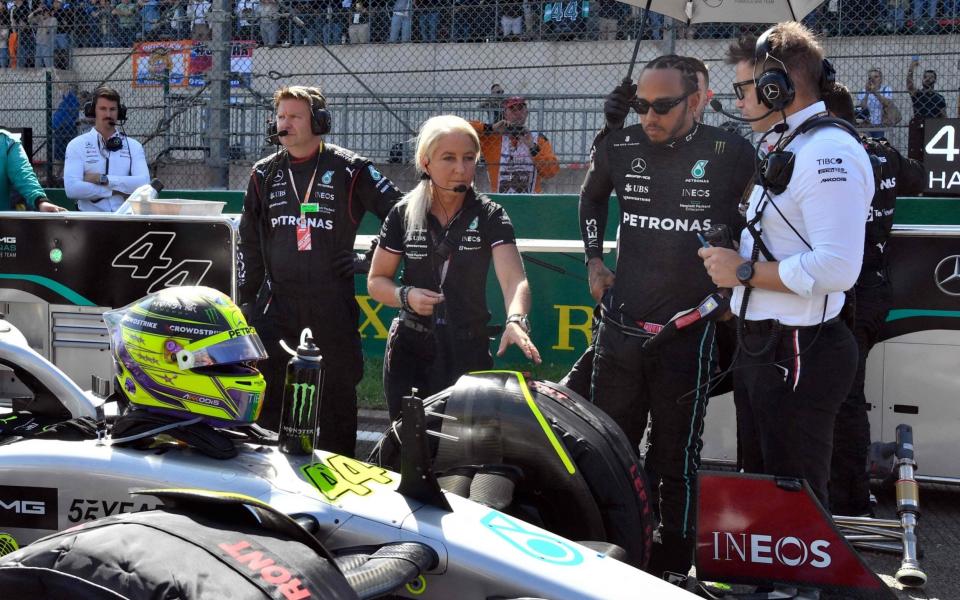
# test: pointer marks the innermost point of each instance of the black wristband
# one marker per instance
(405, 299)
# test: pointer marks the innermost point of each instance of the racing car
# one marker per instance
(63, 465)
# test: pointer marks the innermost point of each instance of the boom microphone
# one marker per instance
(274, 138)
(716, 106)
(460, 188)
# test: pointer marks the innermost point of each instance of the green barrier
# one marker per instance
(562, 307)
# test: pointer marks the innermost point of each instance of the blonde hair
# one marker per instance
(431, 132)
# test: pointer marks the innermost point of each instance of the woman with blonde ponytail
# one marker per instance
(446, 235)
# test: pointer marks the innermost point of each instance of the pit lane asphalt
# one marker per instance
(938, 529)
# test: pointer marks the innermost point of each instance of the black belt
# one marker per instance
(628, 325)
(766, 325)
(477, 331)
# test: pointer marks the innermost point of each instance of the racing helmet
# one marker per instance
(188, 352)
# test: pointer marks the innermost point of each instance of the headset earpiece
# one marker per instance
(320, 117)
(90, 112)
(775, 89)
(113, 144)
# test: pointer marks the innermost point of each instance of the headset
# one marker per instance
(90, 111)
(320, 122)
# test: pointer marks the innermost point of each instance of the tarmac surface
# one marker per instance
(938, 529)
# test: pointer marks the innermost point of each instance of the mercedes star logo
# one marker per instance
(638, 165)
(771, 91)
(947, 275)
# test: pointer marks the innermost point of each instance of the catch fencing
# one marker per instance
(198, 78)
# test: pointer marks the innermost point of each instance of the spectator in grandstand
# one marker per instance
(20, 21)
(305, 21)
(511, 19)
(102, 19)
(874, 99)
(441, 332)
(45, 25)
(247, 13)
(927, 104)
(924, 15)
(66, 32)
(17, 171)
(359, 28)
(462, 16)
(608, 13)
(103, 165)
(197, 15)
(517, 159)
(269, 22)
(150, 11)
(494, 103)
(400, 21)
(428, 17)
(899, 176)
(331, 27)
(128, 22)
(280, 242)
(4, 36)
(64, 121)
(703, 86)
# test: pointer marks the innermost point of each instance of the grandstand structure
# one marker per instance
(203, 123)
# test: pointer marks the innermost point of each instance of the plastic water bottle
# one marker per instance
(301, 397)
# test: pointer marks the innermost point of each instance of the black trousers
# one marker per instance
(430, 361)
(334, 327)
(669, 387)
(788, 402)
(849, 480)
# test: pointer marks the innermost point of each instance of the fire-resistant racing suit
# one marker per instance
(667, 194)
(896, 175)
(300, 240)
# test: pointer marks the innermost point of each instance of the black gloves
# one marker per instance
(347, 263)
(617, 104)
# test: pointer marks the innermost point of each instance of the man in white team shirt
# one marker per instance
(103, 166)
(797, 359)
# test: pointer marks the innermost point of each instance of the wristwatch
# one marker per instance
(104, 180)
(521, 320)
(745, 272)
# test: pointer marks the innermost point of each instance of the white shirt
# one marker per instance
(826, 202)
(873, 104)
(127, 171)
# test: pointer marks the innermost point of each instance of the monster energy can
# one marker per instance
(301, 399)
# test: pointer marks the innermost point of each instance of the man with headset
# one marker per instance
(801, 249)
(103, 166)
(296, 262)
(674, 178)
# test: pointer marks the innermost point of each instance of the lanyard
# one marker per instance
(306, 206)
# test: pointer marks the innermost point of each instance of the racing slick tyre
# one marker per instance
(566, 466)
(172, 554)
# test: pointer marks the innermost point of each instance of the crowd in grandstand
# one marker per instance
(33, 31)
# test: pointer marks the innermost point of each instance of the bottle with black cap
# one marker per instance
(301, 397)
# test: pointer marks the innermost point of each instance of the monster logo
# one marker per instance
(303, 397)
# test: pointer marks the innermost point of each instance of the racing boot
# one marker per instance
(673, 554)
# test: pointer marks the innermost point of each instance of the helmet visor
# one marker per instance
(234, 350)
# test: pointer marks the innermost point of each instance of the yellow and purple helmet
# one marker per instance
(188, 351)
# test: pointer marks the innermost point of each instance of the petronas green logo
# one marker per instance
(303, 396)
(699, 169)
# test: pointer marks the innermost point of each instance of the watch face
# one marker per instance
(745, 272)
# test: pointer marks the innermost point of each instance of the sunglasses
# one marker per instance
(521, 106)
(661, 107)
(738, 88)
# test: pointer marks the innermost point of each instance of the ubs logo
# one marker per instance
(638, 165)
(947, 275)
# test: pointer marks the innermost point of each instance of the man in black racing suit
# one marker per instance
(673, 178)
(896, 175)
(296, 261)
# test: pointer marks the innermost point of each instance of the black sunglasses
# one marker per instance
(661, 107)
(738, 88)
